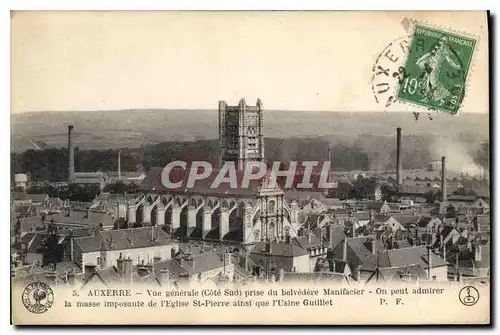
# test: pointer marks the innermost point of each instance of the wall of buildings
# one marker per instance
(137, 255)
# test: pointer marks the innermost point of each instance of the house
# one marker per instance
(30, 247)
(19, 198)
(315, 278)
(471, 260)
(481, 223)
(335, 234)
(360, 254)
(126, 177)
(375, 206)
(314, 206)
(411, 273)
(451, 236)
(436, 267)
(89, 179)
(287, 256)
(313, 245)
(202, 268)
(39, 200)
(82, 218)
(112, 276)
(366, 254)
(105, 247)
(386, 222)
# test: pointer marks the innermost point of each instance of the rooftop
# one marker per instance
(124, 239)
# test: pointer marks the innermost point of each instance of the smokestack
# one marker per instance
(399, 171)
(71, 156)
(443, 178)
(429, 259)
(119, 165)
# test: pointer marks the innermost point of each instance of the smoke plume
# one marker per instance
(458, 158)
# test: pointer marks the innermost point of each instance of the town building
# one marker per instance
(141, 245)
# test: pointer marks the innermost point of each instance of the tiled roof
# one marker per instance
(381, 218)
(83, 217)
(303, 195)
(305, 243)
(364, 216)
(279, 249)
(200, 263)
(411, 256)
(402, 244)
(466, 198)
(337, 235)
(33, 241)
(124, 239)
(110, 197)
(27, 223)
(315, 277)
(62, 267)
(18, 196)
(359, 251)
(400, 273)
(38, 197)
(407, 220)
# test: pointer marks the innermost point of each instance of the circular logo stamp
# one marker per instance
(37, 297)
(468, 295)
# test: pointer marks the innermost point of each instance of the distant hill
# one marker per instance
(136, 128)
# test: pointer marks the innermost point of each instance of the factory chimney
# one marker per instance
(119, 165)
(71, 156)
(443, 178)
(399, 171)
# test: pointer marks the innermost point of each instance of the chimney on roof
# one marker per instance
(227, 258)
(399, 167)
(429, 257)
(443, 178)
(344, 251)
(189, 260)
(71, 156)
(164, 278)
(89, 269)
(119, 165)
(124, 268)
(478, 255)
(70, 277)
(281, 274)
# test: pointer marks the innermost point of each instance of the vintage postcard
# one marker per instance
(269, 168)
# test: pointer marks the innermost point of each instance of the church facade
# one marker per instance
(243, 216)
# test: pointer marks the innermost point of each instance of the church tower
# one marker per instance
(241, 133)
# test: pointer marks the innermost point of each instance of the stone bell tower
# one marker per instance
(241, 133)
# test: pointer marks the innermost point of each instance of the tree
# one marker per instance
(451, 212)
(51, 249)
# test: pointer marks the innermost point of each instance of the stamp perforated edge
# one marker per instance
(423, 109)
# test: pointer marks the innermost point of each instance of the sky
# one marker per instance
(67, 61)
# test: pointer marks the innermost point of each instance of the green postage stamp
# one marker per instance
(436, 69)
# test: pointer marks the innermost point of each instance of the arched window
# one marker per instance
(271, 206)
(272, 231)
(257, 235)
